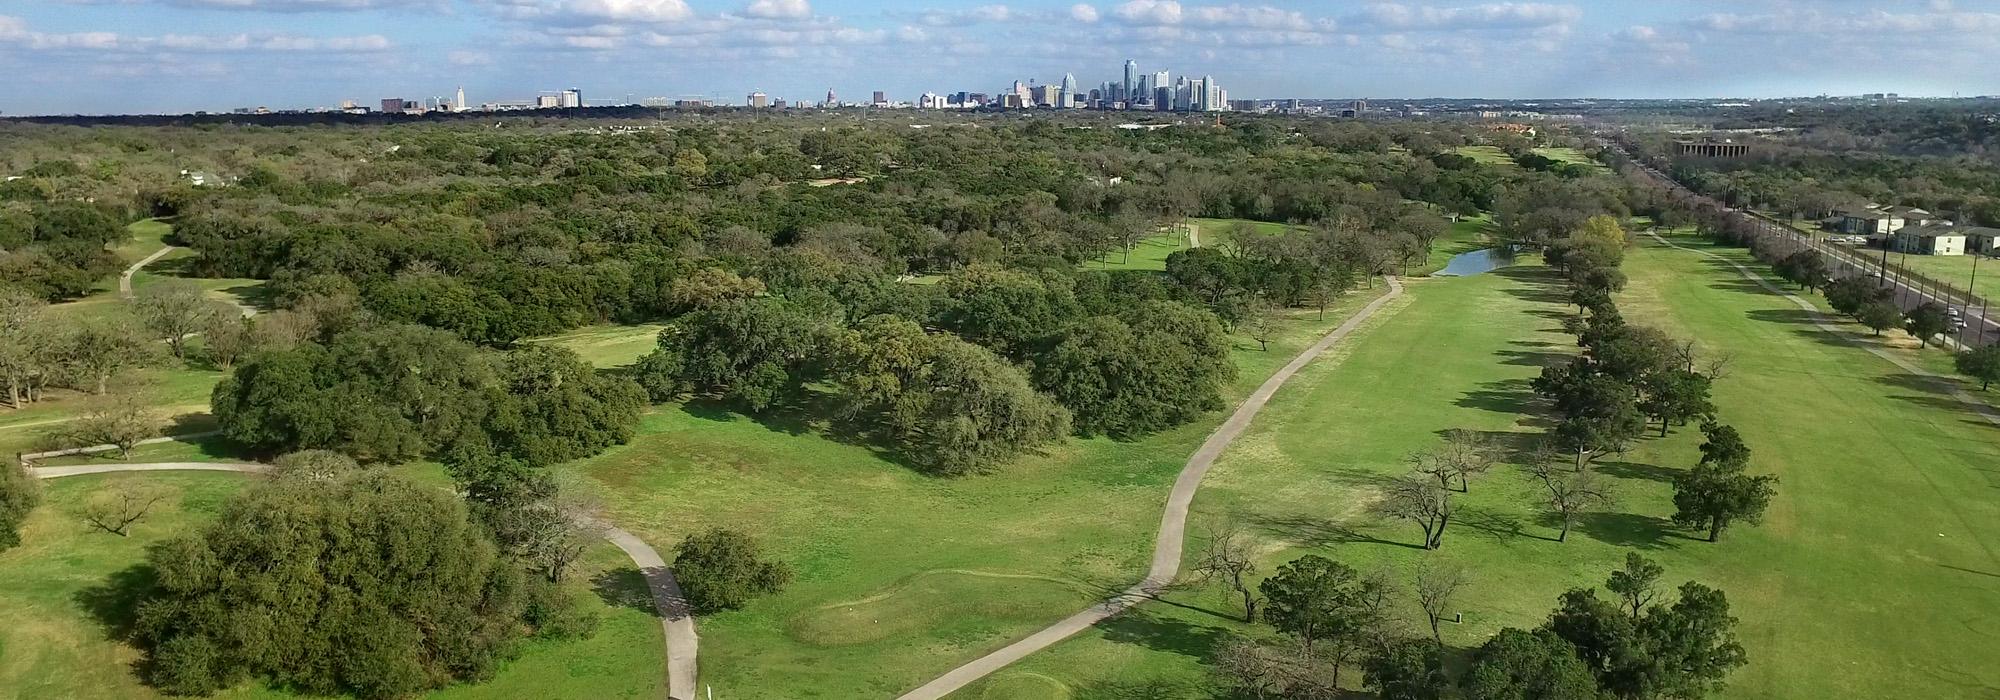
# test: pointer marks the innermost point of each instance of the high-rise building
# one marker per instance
(881, 99)
(758, 100)
(547, 101)
(1023, 98)
(830, 101)
(458, 102)
(1047, 96)
(1163, 98)
(1068, 97)
(1211, 94)
(393, 105)
(1131, 79)
(571, 98)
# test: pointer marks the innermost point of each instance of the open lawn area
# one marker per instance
(1149, 253)
(1487, 155)
(901, 576)
(67, 586)
(610, 345)
(1955, 270)
(1873, 573)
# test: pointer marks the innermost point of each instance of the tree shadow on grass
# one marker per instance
(1312, 531)
(1149, 689)
(1504, 527)
(1630, 530)
(1636, 470)
(1158, 633)
(1917, 382)
(1529, 358)
(1945, 403)
(1783, 316)
(1502, 396)
(114, 602)
(624, 587)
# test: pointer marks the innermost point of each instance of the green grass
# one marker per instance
(1955, 270)
(1148, 253)
(53, 645)
(1571, 156)
(1875, 568)
(610, 345)
(1487, 155)
(900, 576)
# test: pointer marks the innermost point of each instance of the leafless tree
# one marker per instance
(1279, 668)
(174, 310)
(1230, 556)
(1420, 498)
(127, 502)
(1468, 455)
(562, 528)
(1437, 583)
(1262, 326)
(121, 421)
(1571, 494)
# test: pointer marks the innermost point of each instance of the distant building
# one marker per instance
(1712, 149)
(1067, 99)
(1980, 239)
(1047, 95)
(1882, 221)
(1932, 239)
(758, 100)
(881, 99)
(395, 105)
(571, 98)
(458, 103)
(547, 101)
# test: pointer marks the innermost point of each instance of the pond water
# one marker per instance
(1475, 262)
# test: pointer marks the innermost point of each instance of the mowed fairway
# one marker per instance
(1873, 575)
(66, 586)
(902, 576)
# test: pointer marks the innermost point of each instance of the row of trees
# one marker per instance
(54, 250)
(1640, 645)
(1628, 375)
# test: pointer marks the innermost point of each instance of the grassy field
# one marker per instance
(1874, 570)
(57, 585)
(1955, 270)
(900, 576)
(1487, 155)
(1148, 253)
(610, 345)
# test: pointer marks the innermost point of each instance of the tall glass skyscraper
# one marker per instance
(1131, 77)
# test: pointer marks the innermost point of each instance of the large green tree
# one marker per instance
(1528, 665)
(1717, 492)
(19, 494)
(1161, 365)
(724, 569)
(366, 584)
(1982, 364)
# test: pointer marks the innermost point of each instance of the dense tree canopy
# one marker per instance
(364, 584)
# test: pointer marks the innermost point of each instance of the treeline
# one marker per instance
(55, 250)
(511, 233)
(1792, 176)
(1640, 644)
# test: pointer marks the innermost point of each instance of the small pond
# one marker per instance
(1475, 262)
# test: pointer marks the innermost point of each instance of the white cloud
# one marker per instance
(1941, 20)
(470, 58)
(15, 32)
(1149, 12)
(1083, 13)
(977, 15)
(779, 9)
(1505, 15)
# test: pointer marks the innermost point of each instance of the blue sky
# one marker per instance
(97, 56)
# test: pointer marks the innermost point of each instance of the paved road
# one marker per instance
(1173, 523)
(667, 599)
(1980, 326)
(125, 280)
(1819, 319)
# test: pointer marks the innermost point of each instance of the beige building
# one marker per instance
(1934, 239)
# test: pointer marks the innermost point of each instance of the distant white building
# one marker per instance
(1932, 239)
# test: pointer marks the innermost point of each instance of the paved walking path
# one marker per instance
(1173, 523)
(125, 280)
(667, 599)
(1819, 319)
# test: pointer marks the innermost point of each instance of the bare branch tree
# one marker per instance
(1437, 583)
(1468, 455)
(1420, 498)
(1571, 494)
(127, 502)
(1230, 556)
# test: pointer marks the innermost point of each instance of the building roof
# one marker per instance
(1905, 212)
(1936, 231)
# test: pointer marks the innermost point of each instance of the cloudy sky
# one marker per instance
(98, 56)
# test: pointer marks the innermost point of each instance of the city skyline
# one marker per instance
(106, 56)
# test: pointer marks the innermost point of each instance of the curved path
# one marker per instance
(1173, 523)
(1819, 319)
(125, 280)
(667, 599)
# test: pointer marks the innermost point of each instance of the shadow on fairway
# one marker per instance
(1916, 382)
(1530, 358)
(1502, 396)
(1800, 316)
(1630, 530)
(624, 587)
(1636, 470)
(1309, 531)
(114, 603)
(1136, 626)
(1502, 526)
